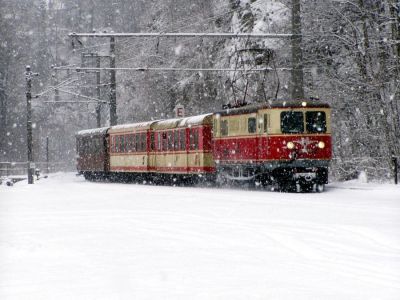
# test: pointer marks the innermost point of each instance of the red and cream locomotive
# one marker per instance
(285, 142)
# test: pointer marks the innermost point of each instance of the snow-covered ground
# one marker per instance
(66, 238)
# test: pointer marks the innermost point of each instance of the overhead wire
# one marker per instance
(222, 13)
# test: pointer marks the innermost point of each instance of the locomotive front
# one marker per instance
(299, 144)
(285, 142)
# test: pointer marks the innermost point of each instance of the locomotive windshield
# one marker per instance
(292, 122)
(316, 121)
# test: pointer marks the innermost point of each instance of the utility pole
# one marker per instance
(47, 155)
(113, 84)
(97, 70)
(98, 106)
(297, 53)
(31, 165)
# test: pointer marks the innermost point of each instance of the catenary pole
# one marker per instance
(47, 154)
(113, 84)
(98, 106)
(29, 140)
(297, 53)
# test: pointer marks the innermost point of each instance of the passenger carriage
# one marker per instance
(92, 152)
(183, 146)
(129, 148)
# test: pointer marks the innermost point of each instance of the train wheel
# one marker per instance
(320, 188)
(221, 180)
(87, 175)
(306, 187)
(288, 187)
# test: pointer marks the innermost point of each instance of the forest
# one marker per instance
(346, 53)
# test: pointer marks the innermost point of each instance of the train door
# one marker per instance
(162, 159)
(178, 158)
(263, 125)
(151, 151)
(158, 160)
(183, 149)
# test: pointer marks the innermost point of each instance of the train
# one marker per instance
(282, 143)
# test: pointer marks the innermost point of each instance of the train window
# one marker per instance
(122, 143)
(170, 140)
(265, 123)
(224, 127)
(190, 139)
(183, 140)
(128, 143)
(159, 138)
(143, 142)
(113, 144)
(292, 122)
(136, 142)
(252, 125)
(196, 139)
(176, 140)
(152, 141)
(133, 143)
(164, 141)
(316, 121)
(139, 144)
(96, 146)
(81, 147)
(97, 150)
(116, 144)
(132, 139)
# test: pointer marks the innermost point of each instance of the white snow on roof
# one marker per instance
(140, 125)
(168, 122)
(194, 120)
(93, 131)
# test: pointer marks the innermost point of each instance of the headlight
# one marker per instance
(321, 145)
(290, 145)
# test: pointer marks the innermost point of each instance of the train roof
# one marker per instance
(274, 104)
(141, 126)
(166, 124)
(205, 119)
(93, 132)
(184, 122)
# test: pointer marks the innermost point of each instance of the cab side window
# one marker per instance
(265, 129)
(252, 125)
(224, 127)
